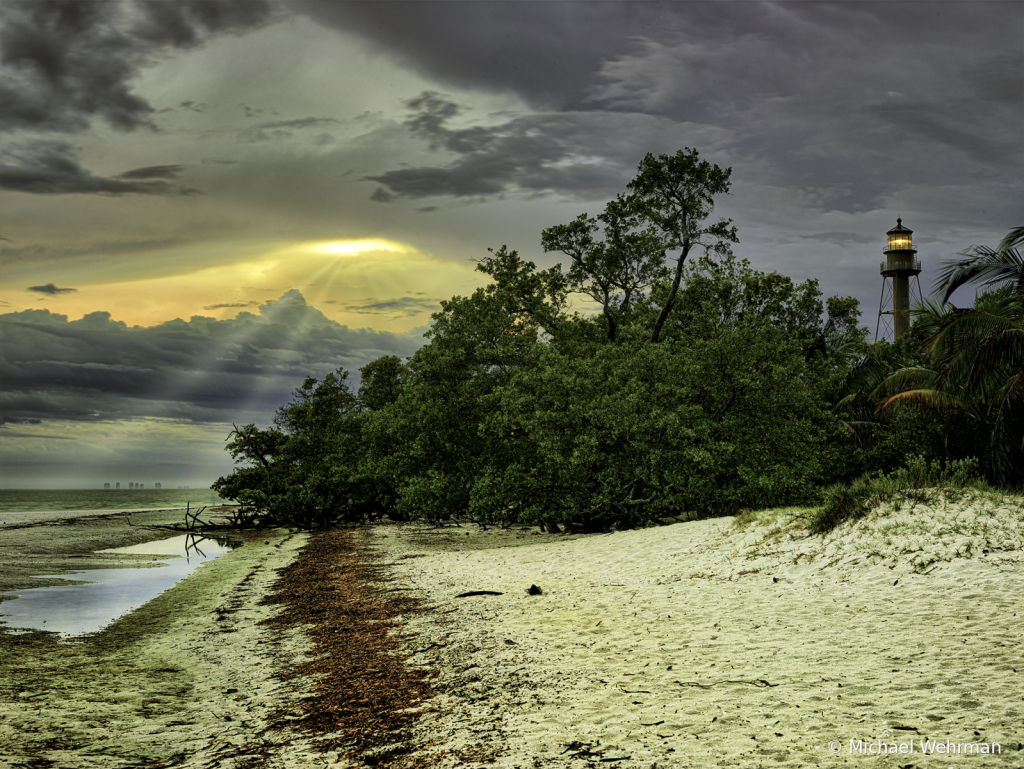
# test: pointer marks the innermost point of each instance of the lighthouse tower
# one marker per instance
(900, 265)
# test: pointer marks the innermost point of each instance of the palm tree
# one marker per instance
(1001, 267)
(977, 356)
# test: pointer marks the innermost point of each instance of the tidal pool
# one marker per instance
(73, 610)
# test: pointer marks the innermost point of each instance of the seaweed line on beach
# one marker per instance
(364, 698)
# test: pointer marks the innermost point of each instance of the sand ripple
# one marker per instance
(702, 645)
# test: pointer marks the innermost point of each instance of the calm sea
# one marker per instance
(26, 501)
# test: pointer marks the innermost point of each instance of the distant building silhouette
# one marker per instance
(106, 485)
(157, 486)
(141, 486)
(117, 485)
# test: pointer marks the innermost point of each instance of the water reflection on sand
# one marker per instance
(73, 610)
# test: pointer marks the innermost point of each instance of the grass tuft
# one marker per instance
(917, 482)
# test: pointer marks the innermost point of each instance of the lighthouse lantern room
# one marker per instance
(900, 266)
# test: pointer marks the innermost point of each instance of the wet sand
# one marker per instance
(186, 680)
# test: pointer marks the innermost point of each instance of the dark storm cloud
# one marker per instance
(52, 168)
(404, 306)
(203, 369)
(230, 305)
(51, 289)
(850, 102)
(153, 172)
(842, 102)
(545, 52)
(534, 153)
(67, 61)
(185, 23)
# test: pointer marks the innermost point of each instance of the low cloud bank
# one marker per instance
(201, 370)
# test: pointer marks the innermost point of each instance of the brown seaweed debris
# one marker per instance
(365, 698)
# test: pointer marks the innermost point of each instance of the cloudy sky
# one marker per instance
(203, 201)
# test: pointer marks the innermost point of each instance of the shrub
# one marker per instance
(918, 480)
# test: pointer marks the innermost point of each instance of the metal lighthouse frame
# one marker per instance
(900, 265)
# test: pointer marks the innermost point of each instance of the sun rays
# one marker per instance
(362, 283)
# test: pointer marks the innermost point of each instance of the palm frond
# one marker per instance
(854, 429)
(935, 400)
(959, 328)
(1001, 267)
(916, 378)
(1014, 239)
(1003, 349)
(1007, 429)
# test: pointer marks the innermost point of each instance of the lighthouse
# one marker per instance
(900, 265)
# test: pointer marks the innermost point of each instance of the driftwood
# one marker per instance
(478, 592)
(193, 523)
(759, 682)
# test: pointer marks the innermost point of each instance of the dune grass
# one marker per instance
(917, 482)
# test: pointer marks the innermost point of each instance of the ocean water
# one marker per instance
(74, 610)
(37, 500)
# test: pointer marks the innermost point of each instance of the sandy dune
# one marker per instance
(699, 644)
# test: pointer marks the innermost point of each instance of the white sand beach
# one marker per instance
(704, 645)
(700, 644)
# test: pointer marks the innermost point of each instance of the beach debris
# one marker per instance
(534, 590)
(583, 751)
(758, 682)
(363, 693)
(428, 648)
(478, 592)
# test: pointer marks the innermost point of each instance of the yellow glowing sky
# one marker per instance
(368, 283)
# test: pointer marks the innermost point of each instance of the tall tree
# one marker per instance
(676, 194)
(613, 271)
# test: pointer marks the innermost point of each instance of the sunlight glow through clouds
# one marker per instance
(364, 283)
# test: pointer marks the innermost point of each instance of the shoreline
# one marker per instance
(188, 679)
(21, 518)
(699, 644)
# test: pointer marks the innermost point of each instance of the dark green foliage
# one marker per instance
(702, 387)
(382, 382)
(496, 425)
(428, 444)
(622, 435)
(304, 471)
(918, 480)
(866, 442)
